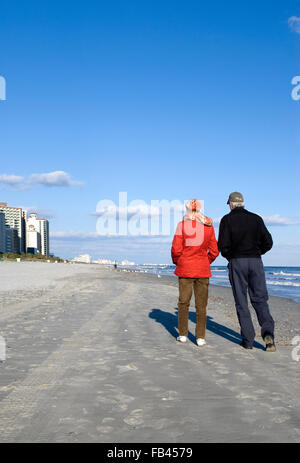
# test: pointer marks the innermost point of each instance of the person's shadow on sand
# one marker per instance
(169, 321)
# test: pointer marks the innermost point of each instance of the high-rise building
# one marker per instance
(2, 233)
(33, 240)
(41, 226)
(44, 232)
(15, 218)
(23, 222)
(12, 240)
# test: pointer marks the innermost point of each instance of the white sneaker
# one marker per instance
(182, 338)
(201, 342)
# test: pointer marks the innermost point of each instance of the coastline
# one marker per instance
(286, 312)
(281, 281)
(93, 357)
(25, 281)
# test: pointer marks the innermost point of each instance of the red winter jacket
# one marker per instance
(194, 248)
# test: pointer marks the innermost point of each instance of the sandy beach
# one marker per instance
(91, 356)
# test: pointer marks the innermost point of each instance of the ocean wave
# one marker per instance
(286, 274)
(282, 283)
(286, 279)
(223, 277)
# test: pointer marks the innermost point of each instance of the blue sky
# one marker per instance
(159, 99)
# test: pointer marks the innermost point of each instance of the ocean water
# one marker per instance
(281, 281)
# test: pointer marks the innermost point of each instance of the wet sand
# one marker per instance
(92, 356)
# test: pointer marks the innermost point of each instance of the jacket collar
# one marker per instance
(237, 210)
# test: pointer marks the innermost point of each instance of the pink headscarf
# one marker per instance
(193, 213)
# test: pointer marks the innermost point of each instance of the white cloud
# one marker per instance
(142, 210)
(278, 220)
(270, 220)
(57, 178)
(139, 209)
(294, 24)
(12, 180)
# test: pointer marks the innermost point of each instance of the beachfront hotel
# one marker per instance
(37, 235)
(14, 219)
(19, 234)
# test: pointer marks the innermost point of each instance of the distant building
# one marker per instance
(40, 226)
(127, 262)
(2, 233)
(84, 258)
(15, 219)
(105, 261)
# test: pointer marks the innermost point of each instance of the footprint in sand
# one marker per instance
(129, 367)
(104, 429)
(135, 417)
(171, 395)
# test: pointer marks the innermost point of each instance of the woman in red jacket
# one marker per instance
(194, 248)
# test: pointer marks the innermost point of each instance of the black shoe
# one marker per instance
(270, 344)
(245, 346)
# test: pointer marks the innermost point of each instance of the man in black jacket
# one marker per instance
(243, 238)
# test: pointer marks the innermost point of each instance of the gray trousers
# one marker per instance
(247, 275)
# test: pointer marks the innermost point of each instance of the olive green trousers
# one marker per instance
(186, 287)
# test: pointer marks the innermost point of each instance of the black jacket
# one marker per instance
(243, 234)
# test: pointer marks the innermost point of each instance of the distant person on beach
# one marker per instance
(115, 264)
(194, 248)
(243, 238)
